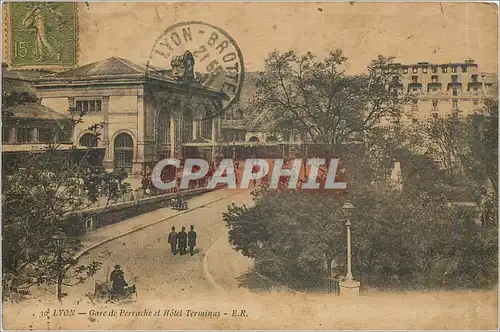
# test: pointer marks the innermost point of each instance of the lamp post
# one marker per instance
(60, 242)
(234, 150)
(348, 208)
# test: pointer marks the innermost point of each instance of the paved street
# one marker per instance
(165, 282)
(145, 256)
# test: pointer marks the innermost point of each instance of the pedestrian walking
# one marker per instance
(172, 240)
(191, 237)
(182, 240)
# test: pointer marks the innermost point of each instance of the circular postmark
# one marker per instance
(200, 54)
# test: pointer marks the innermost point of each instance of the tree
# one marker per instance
(420, 242)
(317, 99)
(40, 194)
(400, 239)
(445, 138)
(467, 147)
(292, 235)
(482, 162)
(14, 93)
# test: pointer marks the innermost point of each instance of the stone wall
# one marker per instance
(79, 224)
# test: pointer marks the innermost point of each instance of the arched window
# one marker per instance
(124, 141)
(124, 152)
(206, 129)
(254, 139)
(272, 139)
(163, 128)
(88, 140)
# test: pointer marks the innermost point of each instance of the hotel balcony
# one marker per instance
(433, 85)
(474, 84)
(455, 84)
(414, 88)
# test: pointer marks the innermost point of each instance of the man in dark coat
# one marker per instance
(118, 280)
(182, 238)
(172, 240)
(191, 236)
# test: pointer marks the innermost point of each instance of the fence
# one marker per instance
(329, 286)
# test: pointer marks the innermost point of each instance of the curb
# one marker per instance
(86, 250)
(208, 275)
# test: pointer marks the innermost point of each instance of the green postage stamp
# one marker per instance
(43, 33)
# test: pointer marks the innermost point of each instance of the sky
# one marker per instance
(412, 32)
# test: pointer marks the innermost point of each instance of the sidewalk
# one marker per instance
(102, 234)
(226, 266)
(223, 264)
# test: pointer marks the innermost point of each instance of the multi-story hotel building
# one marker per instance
(439, 89)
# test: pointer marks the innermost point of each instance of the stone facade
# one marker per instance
(147, 117)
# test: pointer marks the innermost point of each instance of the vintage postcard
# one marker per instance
(249, 165)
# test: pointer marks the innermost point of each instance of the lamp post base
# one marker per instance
(349, 288)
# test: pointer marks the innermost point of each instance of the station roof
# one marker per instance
(117, 70)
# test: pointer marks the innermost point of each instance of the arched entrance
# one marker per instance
(88, 140)
(124, 152)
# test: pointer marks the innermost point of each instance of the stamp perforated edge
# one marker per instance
(7, 51)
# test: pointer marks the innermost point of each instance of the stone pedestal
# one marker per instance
(349, 288)
(136, 169)
(108, 165)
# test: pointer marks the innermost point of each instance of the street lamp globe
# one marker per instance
(60, 239)
(348, 208)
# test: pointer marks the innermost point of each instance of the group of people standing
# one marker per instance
(180, 241)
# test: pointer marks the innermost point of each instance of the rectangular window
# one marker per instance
(434, 78)
(454, 78)
(464, 69)
(474, 78)
(415, 70)
(453, 69)
(24, 135)
(45, 135)
(434, 105)
(5, 134)
(455, 104)
(88, 106)
(434, 70)
(414, 79)
(444, 69)
(424, 70)
(405, 70)
(455, 92)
